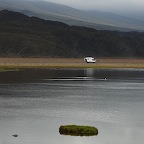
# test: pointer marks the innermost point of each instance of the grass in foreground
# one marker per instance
(76, 130)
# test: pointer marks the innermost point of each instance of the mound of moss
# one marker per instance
(76, 130)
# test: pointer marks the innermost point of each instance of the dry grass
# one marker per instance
(18, 63)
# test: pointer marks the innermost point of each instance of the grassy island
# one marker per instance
(76, 130)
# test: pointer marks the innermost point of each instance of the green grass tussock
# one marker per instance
(76, 130)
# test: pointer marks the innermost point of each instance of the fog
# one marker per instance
(133, 8)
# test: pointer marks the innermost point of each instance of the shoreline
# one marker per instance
(30, 63)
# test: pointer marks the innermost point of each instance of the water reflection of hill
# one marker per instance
(32, 75)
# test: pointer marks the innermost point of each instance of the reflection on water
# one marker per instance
(89, 72)
(97, 74)
(34, 103)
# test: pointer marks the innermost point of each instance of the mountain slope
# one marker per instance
(24, 36)
(71, 16)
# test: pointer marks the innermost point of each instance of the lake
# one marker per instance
(34, 103)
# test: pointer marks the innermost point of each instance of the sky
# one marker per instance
(117, 6)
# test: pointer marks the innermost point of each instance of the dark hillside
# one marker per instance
(21, 35)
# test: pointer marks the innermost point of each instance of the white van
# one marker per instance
(89, 60)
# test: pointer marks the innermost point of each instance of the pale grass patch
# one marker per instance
(30, 63)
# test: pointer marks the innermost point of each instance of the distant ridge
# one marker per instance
(6, 15)
(11, 16)
(24, 36)
(57, 12)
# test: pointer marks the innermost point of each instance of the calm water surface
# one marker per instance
(34, 103)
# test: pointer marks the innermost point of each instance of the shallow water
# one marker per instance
(35, 103)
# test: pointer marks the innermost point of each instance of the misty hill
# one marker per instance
(21, 35)
(71, 16)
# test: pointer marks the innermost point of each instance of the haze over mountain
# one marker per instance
(71, 16)
(128, 8)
